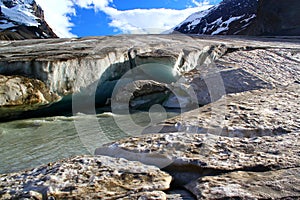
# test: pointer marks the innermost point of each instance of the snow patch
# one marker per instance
(194, 18)
(248, 19)
(225, 25)
(21, 13)
(4, 24)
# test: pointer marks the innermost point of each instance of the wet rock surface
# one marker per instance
(19, 94)
(84, 177)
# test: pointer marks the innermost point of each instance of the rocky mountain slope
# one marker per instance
(23, 19)
(245, 17)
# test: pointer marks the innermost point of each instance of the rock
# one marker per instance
(140, 94)
(276, 18)
(19, 94)
(180, 194)
(157, 195)
(278, 184)
(182, 96)
(247, 114)
(239, 71)
(188, 156)
(276, 67)
(87, 177)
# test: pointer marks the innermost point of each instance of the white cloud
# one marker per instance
(97, 4)
(128, 21)
(148, 20)
(200, 3)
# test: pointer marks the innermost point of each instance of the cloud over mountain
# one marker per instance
(154, 20)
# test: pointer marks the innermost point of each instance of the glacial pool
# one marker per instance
(31, 142)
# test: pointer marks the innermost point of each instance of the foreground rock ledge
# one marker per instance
(279, 184)
(91, 177)
(190, 156)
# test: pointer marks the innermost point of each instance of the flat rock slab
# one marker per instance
(247, 114)
(87, 177)
(189, 156)
(279, 184)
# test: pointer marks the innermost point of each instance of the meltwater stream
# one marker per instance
(32, 142)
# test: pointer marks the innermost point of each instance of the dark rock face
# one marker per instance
(276, 18)
(29, 24)
(245, 17)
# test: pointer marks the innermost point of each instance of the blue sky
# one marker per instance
(77, 18)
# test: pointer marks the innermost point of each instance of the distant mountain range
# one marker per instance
(23, 19)
(245, 17)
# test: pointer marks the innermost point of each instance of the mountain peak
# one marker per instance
(245, 17)
(23, 19)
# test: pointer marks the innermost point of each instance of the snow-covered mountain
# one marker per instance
(245, 17)
(228, 17)
(23, 19)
